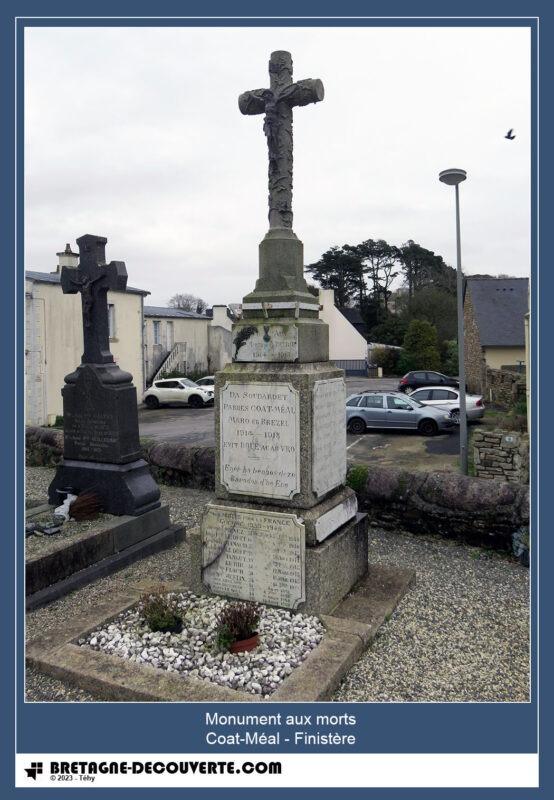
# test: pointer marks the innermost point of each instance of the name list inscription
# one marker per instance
(254, 555)
(92, 433)
(329, 435)
(270, 343)
(259, 439)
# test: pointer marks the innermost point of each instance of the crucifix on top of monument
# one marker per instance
(281, 284)
(93, 278)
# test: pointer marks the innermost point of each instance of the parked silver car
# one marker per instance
(448, 399)
(394, 410)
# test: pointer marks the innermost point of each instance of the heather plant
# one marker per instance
(237, 621)
(160, 611)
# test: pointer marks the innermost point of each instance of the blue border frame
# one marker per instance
(387, 727)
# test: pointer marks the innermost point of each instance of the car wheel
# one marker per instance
(356, 425)
(151, 402)
(195, 401)
(428, 427)
(455, 414)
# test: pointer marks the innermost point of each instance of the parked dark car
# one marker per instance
(418, 378)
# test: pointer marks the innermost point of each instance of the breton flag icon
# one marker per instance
(34, 770)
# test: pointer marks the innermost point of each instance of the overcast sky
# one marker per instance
(135, 134)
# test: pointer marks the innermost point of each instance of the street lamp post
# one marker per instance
(453, 177)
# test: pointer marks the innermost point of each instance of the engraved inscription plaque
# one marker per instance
(328, 435)
(100, 421)
(260, 439)
(254, 555)
(270, 343)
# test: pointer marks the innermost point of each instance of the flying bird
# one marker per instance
(510, 134)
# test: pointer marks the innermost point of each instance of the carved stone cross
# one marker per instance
(93, 278)
(277, 103)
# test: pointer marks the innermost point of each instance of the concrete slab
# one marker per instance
(112, 678)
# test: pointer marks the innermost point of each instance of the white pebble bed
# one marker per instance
(286, 640)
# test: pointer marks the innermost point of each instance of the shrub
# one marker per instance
(357, 477)
(520, 408)
(237, 621)
(420, 347)
(160, 611)
(449, 350)
(387, 359)
(174, 373)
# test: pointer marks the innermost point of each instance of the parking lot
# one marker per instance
(391, 448)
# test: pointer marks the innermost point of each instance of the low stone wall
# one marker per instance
(501, 455)
(181, 464)
(470, 509)
(171, 463)
(43, 446)
(503, 387)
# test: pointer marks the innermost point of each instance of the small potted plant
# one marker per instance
(237, 627)
(161, 611)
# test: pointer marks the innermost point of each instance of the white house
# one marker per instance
(183, 341)
(347, 347)
(54, 338)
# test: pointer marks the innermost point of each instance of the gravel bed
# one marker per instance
(461, 634)
(37, 545)
(286, 639)
(185, 505)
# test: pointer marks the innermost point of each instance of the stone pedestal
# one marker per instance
(101, 442)
(284, 529)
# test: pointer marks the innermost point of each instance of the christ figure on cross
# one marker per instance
(277, 103)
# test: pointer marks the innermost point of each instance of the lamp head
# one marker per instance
(453, 176)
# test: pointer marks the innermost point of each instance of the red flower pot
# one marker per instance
(243, 645)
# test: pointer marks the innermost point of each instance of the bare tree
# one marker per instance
(188, 302)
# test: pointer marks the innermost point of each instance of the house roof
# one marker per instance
(54, 277)
(352, 315)
(500, 306)
(175, 313)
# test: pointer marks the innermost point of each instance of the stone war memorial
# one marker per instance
(283, 531)
(284, 528)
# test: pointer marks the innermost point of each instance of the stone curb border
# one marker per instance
(350, 629)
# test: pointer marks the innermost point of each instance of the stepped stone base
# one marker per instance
(123, 488)
(315, 583)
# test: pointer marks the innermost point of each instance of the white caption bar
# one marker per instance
(486, 770)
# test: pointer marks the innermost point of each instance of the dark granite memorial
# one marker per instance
(101, 439)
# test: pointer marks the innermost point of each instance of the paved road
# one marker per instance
(196, 425)
(393, 448)
(178, 424)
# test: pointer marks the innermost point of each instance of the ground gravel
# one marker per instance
(461, 633)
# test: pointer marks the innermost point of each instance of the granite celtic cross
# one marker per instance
(93, 278)
(277, 103)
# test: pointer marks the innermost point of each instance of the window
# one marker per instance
(443, 394)
(156, 327)
(423, 394)
(420, 376)
(168, 385)
(353, 401)
(372, 401)
(111, 320)
(435, 377)
(398, 403)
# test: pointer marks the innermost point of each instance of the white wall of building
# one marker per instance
(54, 344)
(345, 343)
(207, 341)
